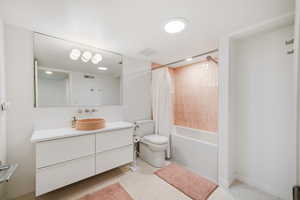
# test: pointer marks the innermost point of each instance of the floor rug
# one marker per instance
(192, 185)
(111, 192)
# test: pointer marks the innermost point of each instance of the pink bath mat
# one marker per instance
(192, 185)
(112, 192)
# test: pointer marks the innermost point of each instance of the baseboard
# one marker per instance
(263, 187)
(226, 183)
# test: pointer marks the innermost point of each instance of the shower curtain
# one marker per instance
(162, 107)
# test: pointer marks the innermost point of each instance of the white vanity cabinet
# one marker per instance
(65, 156)
(113, 149)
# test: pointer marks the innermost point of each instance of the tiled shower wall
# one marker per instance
(196, 96)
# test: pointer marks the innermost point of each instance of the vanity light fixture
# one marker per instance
(75, 54)
(102, 68)
(97, 58)
(49, 72)
(86, 56)
(175, 25)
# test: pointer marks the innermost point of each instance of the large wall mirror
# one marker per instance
(72, 74)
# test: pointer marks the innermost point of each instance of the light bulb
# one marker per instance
(96, 58)
(75, 54)
(49, 72)
(86, 56)
(175, 26)
(102, 68)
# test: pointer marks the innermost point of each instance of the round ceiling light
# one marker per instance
(97, 58)
(102, 68)
(86, 56)
(75, 54)
(49, 72)
(175, 25)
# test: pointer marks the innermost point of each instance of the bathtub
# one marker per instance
(197, 150)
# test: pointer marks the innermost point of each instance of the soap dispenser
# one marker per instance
(74, 120)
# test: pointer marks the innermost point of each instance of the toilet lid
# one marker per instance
(156, 139)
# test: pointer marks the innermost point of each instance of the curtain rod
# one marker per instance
(178, 61)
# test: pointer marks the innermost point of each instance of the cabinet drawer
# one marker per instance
(56, 176)
(113, 139)
(60, 150)
(114, 158)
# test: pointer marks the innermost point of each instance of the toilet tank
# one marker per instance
(144, 127)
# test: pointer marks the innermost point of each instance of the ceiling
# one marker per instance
(55, 53)
(129, 27)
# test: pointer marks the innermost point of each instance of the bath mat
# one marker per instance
(192, 185)
(112, 192)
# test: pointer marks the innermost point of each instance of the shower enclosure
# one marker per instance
(195, 113)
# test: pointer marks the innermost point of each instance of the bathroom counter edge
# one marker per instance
(52, 134)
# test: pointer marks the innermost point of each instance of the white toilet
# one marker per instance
(152, 146)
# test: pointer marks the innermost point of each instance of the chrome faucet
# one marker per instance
(136, 126)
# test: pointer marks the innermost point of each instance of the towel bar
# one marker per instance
(6, 171)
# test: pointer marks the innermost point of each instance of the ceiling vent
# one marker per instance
(89, 76)
(147, 52)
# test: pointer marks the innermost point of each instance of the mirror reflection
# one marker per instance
(78, 75)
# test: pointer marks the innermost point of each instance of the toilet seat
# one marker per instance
(156, 139)
(156, 142)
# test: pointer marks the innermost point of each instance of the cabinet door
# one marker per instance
(113, 139)
(61, 150)
(56, 176)
(114, 158)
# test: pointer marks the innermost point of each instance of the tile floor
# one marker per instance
(242, 191)
(144, 185)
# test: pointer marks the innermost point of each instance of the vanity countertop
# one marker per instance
(52, 134)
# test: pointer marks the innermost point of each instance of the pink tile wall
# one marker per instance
(196, 96)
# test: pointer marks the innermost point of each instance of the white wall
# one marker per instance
(297, 73)
(262, 89)
(2, 97)
(23, 117)
(49, 118)
(19, 72)
(136, 89)
(225, 172)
